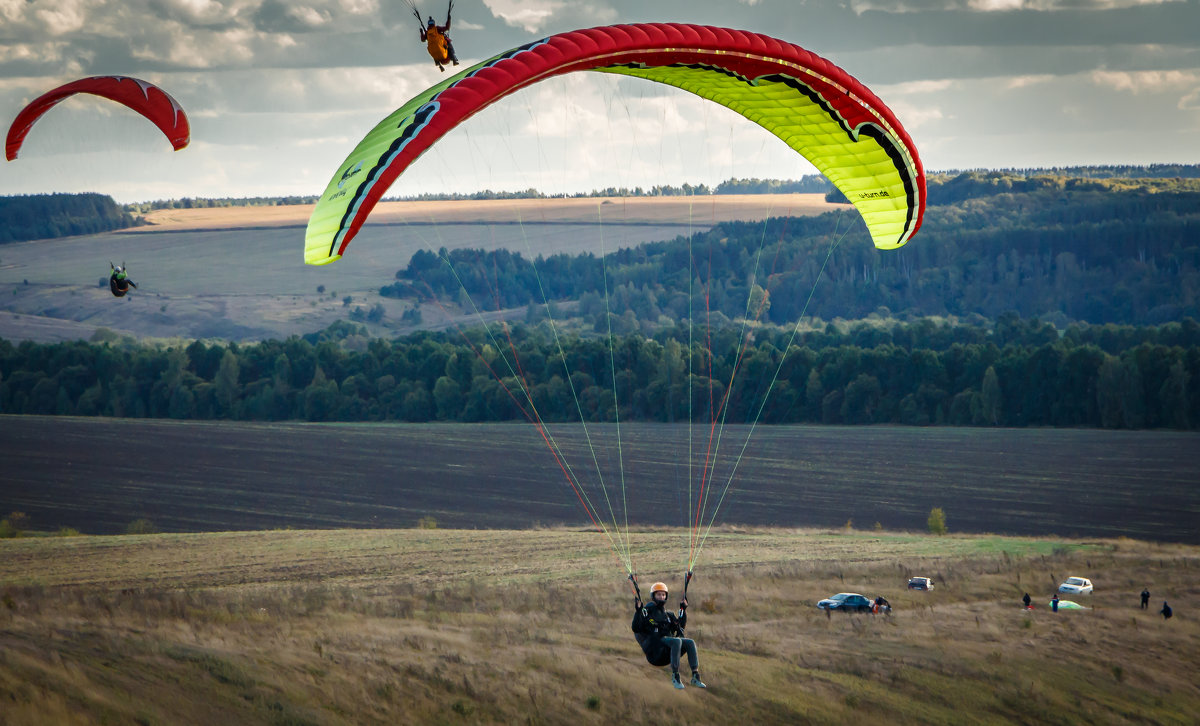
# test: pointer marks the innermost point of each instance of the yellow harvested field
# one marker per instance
(646, 210)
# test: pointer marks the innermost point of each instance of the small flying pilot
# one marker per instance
(437, 40)
(119, 282)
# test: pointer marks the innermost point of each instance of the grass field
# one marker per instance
(238, 273)
(97, 475)
(448, 627)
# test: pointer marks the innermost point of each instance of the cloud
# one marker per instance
(933, 86)
(61, 19)
(530, 15)
(1190, 101)
(993, 6)
(537, 16)
(279, 17)
(1026, 81)
(915, 116)
(194, 13)
(1145, 81)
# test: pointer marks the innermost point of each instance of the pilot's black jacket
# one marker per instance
(651, 623)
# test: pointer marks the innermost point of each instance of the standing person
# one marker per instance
(1145, 598)
(1054, 603)
(1027, 600)
(660, 633)
(1166, 611)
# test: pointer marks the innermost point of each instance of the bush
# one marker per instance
(13, 525)
(937, 521)
(141, 526)
(426, 523)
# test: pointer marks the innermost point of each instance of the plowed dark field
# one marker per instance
(97, 475)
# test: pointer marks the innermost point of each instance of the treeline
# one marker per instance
(947, 188)
(813, 183)
(1109, 171)
(1013, 373)
(1105, 251)
(808, 184)
(43, 216)
(206, 203)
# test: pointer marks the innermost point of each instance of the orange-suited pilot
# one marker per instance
(437, 41)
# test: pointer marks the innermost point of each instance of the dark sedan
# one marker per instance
(847, 602)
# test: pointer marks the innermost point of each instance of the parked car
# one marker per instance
(920, 583)
(1076, 586)
(847, 602)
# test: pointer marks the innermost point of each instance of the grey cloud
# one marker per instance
(832, 26)
(899, 65)
(218, 17)
(274, 16)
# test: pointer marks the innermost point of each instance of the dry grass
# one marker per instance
(432, 626)
(641, 210)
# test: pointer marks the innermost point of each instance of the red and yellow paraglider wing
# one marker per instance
(816, 108)
(143, 97)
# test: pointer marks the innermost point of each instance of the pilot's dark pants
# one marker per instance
(679, 644)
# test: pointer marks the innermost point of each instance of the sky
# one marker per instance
(279, 91)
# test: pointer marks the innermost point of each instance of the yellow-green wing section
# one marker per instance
(855, 160)
(340, 200)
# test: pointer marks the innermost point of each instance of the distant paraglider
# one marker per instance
(146, 98)
(119, 282)
(437, 38)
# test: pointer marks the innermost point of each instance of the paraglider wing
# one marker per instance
(146, 98)
(816, 108)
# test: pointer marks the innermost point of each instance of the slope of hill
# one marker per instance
(237, 273)
(432, 626)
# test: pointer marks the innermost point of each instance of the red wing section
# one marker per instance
(146, 98)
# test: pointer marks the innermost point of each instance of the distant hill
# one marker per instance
(46, 216)
(1096, 250)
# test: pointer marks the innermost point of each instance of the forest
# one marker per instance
(46, 216)
(1013, 372)
(1091, 250)
(1025, 300)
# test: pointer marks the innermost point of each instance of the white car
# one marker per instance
(1076, 586)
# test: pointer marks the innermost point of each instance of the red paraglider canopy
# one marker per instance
(146, 98)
